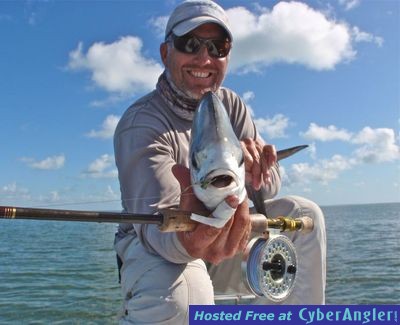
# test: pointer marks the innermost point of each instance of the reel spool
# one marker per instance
(269, 267)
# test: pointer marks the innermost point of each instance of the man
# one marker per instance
(162, 273)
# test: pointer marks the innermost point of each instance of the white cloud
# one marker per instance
(49, 198)
(110, 100)
(247, 97)
(117, 67)
(49, 163)
(13, 188)
(349, 4)
(274, 127)
(110, 194)
(292, 32)
(107, 128)
(312, 150)
(330, 133)
(377, 145)
(360, 36)
(323, 171)
(102, 167)
(159, 24)
(13, 192)
(54, 196)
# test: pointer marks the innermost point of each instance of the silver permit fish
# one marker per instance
(216, 161)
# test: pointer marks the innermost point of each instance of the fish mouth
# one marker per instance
(219, 179)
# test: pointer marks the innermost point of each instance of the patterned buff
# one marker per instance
(177, 101)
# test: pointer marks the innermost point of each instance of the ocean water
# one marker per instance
(65, 272)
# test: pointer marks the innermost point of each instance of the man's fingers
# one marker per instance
(232, 200)
(269, 154)
(269, 158)
(248, 158)
(239, 231)
(198, 241)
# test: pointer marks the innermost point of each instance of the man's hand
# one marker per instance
(258, 159)
(206, 242)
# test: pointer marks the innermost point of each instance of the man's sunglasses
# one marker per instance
(190, 44)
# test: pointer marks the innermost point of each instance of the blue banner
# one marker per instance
(303, 314)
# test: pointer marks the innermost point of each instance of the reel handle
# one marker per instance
(260, 224)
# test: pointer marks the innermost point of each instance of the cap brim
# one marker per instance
(190, 24)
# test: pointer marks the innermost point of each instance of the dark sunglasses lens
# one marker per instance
(191, 45)
(218, 48)
(187, 44)
(212, 49)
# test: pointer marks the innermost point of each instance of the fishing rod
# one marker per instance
(269, 262)
(168, 220)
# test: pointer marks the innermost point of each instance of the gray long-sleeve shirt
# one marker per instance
(150, 138)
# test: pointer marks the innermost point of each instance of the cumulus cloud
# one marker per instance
(292, 32)
(323, 171)
(330, 133)
(49, 163)
(102, 167)
(374, 146)
(274, 127)
(117, 67)
(107, 128)
(377, 145)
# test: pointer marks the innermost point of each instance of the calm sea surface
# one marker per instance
(65, 272)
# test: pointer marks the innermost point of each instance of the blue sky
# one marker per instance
(323, 73)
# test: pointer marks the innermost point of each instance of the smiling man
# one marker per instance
(205, 69)
(163, 273)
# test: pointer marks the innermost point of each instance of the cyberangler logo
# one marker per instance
(355, 314)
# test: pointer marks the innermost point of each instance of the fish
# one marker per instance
(216, 160)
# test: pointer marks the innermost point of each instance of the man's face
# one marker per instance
(195, 74)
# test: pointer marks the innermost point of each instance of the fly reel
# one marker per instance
(269, 267)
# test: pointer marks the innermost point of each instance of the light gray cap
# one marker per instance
(193, 13)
